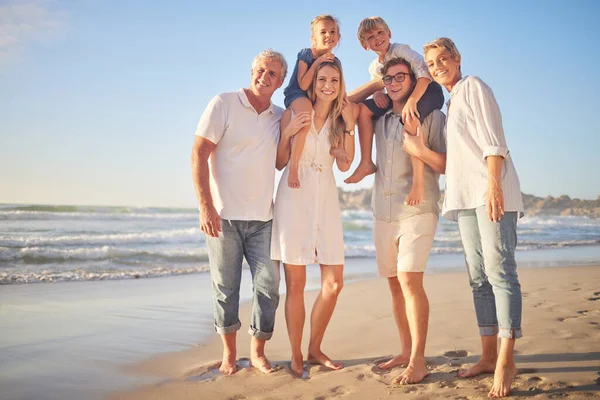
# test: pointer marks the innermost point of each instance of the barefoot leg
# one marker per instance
(365, 139)
(417, 188)
(295, 280)
(257, 356)
(399, 309)
(487, 363)
(506, 369)
(228, 365)
(331, 285)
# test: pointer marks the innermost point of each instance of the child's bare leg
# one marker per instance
(365, 139)
(417, 189)
(301, 104)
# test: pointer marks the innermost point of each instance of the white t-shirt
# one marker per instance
(416, 61)
(242, 165)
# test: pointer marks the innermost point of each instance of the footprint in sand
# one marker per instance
(594, 298)
(456, 354)
(527, 371)
(364, 377)
(335, 393)
(210, 374)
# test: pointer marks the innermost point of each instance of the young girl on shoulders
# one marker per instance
(325, 37)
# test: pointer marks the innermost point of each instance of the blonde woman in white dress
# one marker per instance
(307, 223)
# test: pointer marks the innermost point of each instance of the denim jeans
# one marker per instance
(490, 255)
(238, 240)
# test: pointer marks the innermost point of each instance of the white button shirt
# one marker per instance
(474, 132)
(242, 165)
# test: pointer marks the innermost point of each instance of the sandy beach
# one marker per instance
(558, 357)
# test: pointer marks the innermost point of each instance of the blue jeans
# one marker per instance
(490, 255)
(252, 240)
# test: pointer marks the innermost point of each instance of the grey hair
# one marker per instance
(271, 54)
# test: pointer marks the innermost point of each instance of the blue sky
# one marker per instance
(99, 100)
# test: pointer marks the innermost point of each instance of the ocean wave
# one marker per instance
(92, 213)
(44, 255)
(94, 209)
(85, 275)
(93, 238)
(357, 225)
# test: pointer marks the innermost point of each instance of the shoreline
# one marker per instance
(94, 339)
(553, 309)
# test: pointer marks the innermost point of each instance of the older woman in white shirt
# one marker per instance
(483, 194)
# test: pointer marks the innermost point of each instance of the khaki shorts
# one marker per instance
(404, 246)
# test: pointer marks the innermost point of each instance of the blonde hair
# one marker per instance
(443, 43)
(272, 55)
(336, 133)
(368, 25)
(324, 17)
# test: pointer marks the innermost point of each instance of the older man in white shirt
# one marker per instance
(233, 166)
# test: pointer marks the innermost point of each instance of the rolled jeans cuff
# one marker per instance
(228, 329)
(492, 330)
(258, 334)
(510, 333)
(488, 330)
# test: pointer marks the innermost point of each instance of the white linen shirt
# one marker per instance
(242, 165)
(474, 132)
(396, 50)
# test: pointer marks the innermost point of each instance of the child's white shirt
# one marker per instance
(416, 61)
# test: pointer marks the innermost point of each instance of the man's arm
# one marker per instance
(210, 222)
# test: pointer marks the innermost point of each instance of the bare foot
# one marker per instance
(321, 358)
(400, 359)
(297, 366)
(415, 197)
(482, 367)
(339, 154)
(228, 366)
(363, 169)
(412, 374)
(293, 180)
(261, 363)
(503, 379)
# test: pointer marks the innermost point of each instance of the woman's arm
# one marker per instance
(414, 145)
(349, 114)
(432, 131)
(494, 197)
(306, 75)
(288, 128)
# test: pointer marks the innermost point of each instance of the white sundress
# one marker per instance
(307, 222)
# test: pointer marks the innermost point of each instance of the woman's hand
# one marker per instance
(381, 100)
(298, 122)
(410, 110)
(494, 204)
(413, 144)
(348, 113)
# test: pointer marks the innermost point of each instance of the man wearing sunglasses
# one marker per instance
(403, 234)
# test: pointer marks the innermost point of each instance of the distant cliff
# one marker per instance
(563, 205)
